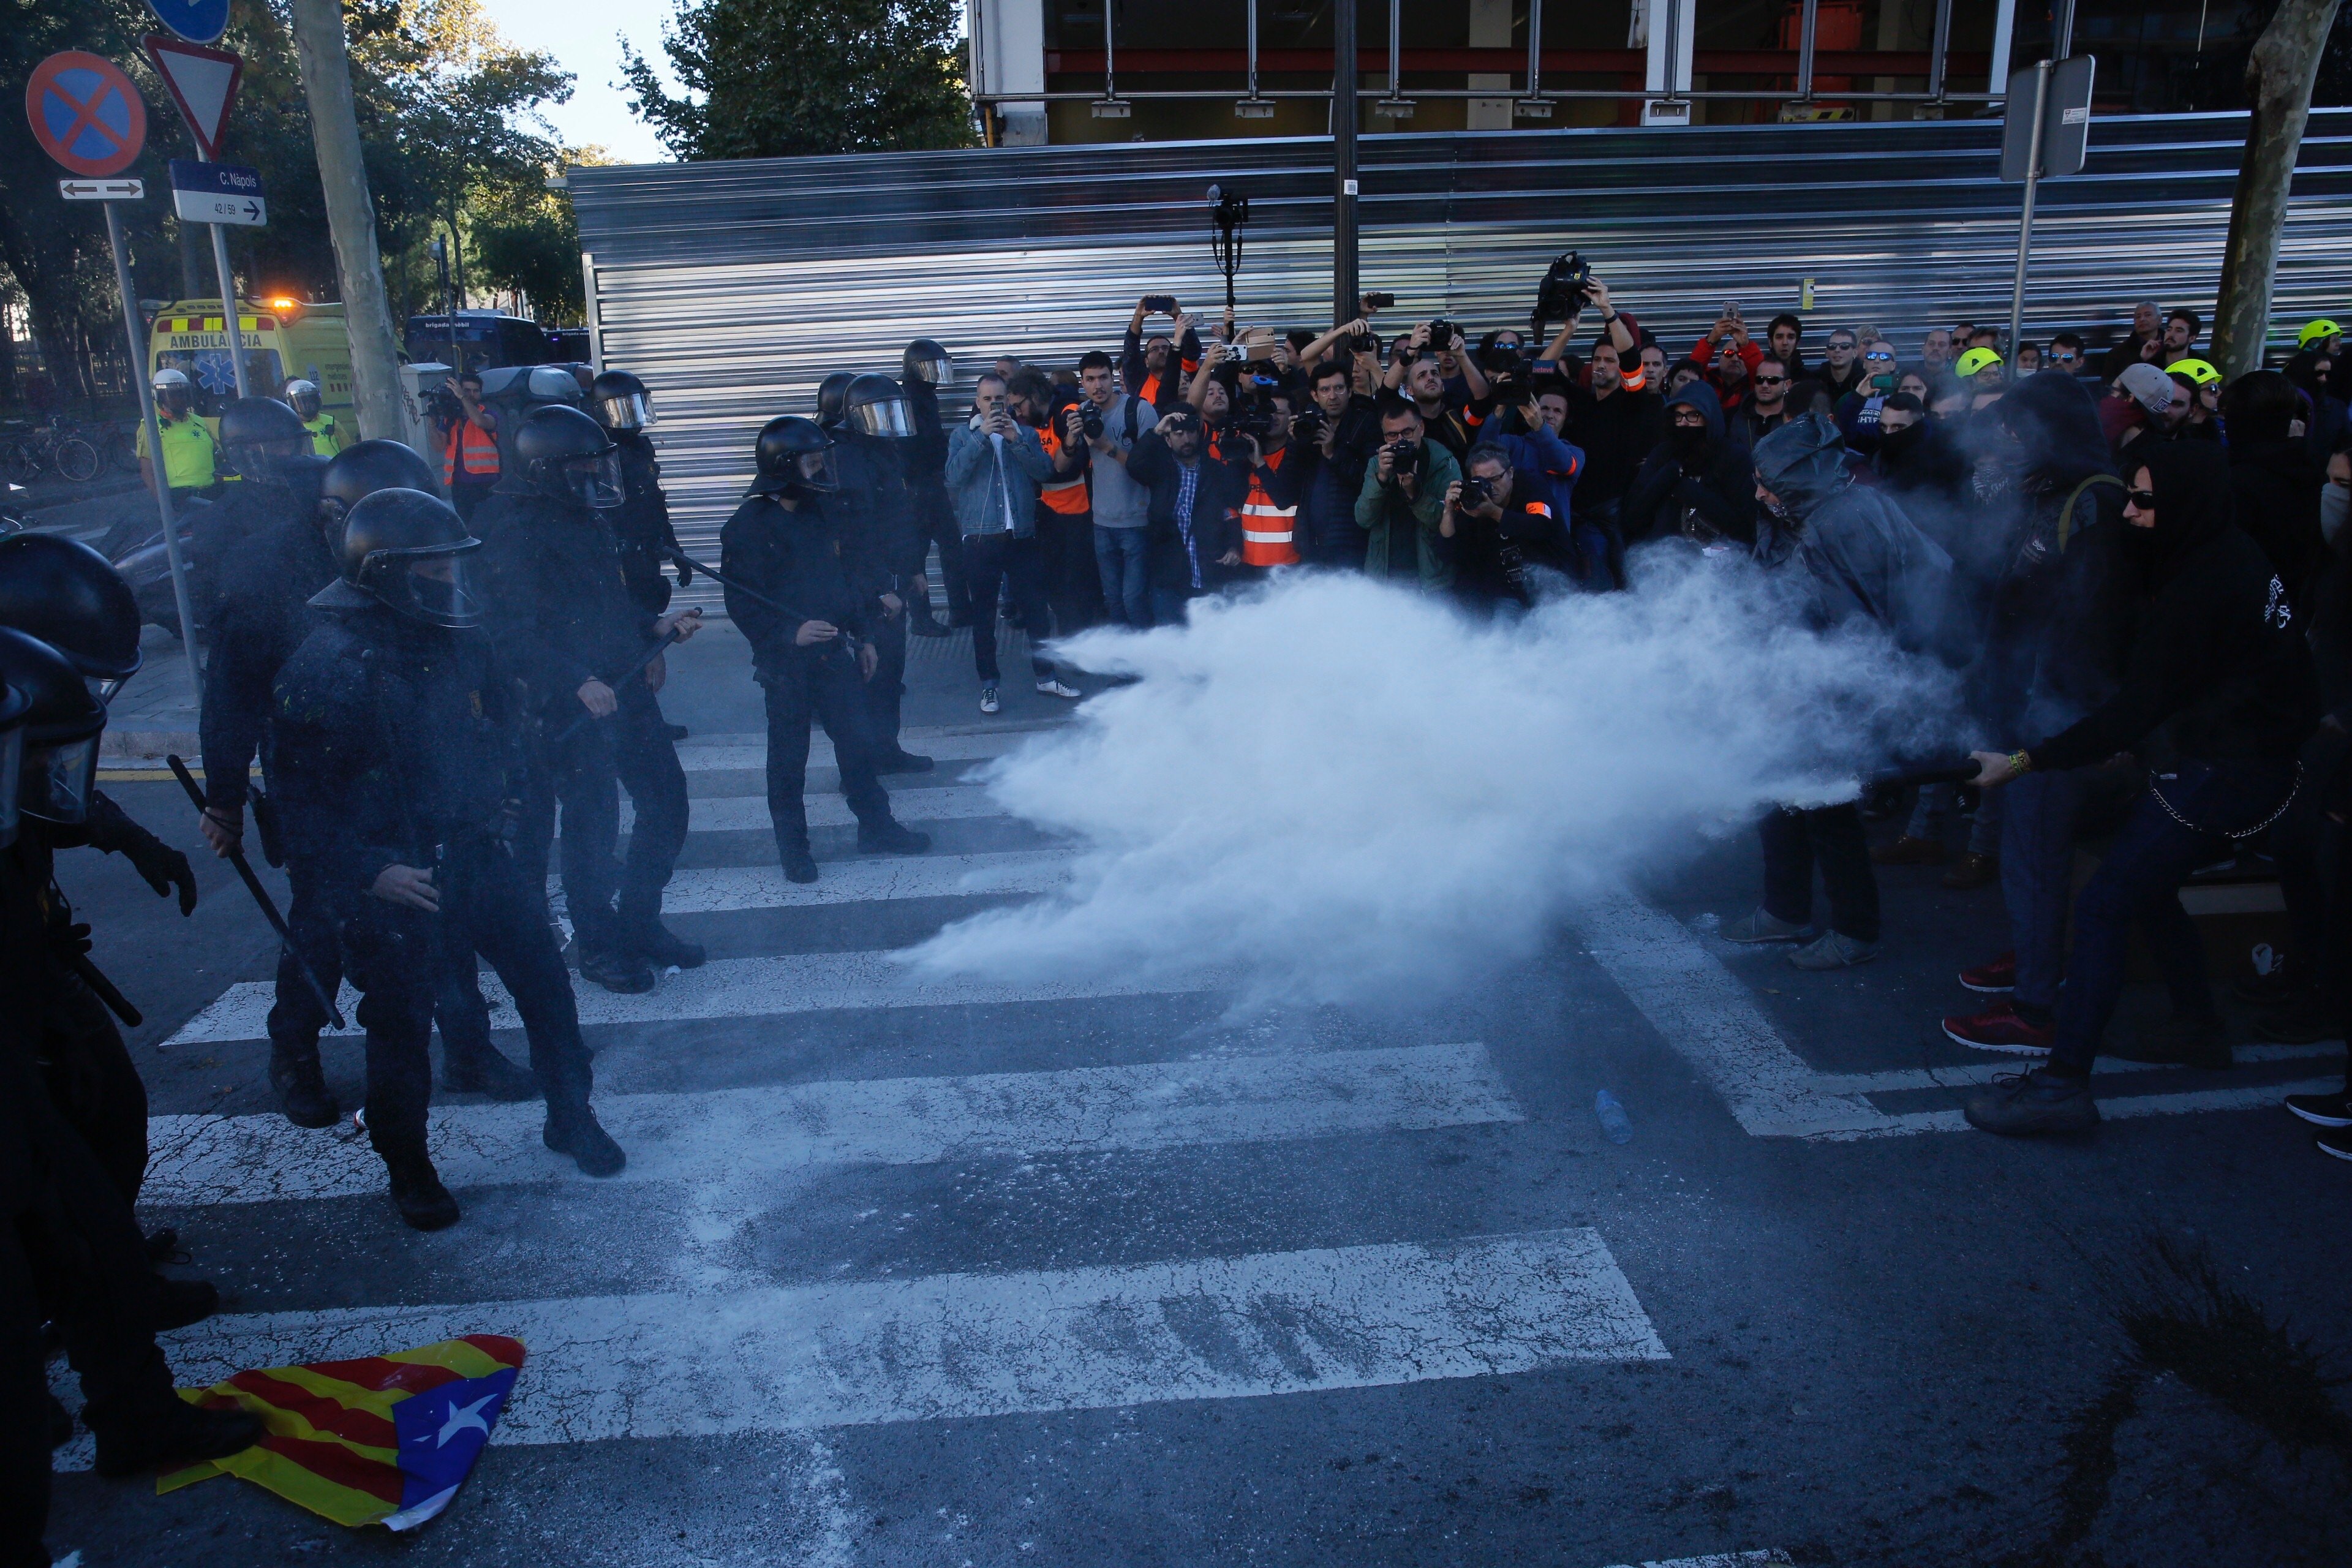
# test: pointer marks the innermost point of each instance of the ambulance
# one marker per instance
(284, 340)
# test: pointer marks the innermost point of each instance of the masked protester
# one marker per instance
(71, 1255)
(1696, 484)
(876, 511)
(264, 444)
(925, 372)
(1861, 557)
(67, 596)
(2218, 695)
(641, 524)
(2274, 484)
(402, 779)
(329, 435)
(791, 590)
(565, 624)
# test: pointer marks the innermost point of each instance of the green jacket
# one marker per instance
(1383, 511)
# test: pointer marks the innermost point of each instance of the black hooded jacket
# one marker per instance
(2219, 663)
(560, 612)
(2275, 488)
(1713, 483)
(246, 510)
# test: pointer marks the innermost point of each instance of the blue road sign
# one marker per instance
(199, 21)
(217, 192)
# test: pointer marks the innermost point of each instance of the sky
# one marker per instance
(583, 36)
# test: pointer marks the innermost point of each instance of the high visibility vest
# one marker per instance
(190, 451)
(1269, 532)
(1067, 495)
(472, 451)
(325, 439)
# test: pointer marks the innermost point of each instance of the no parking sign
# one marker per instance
(86, 114)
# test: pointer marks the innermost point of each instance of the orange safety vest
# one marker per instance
(1068, 496)
(1269, 532)
(474, 449)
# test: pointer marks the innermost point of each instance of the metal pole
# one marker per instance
(163, 483)
(1396, 48)
(2026, 221)
(1345, 303)
(1252, 48)
(1110, 91)
(2062, 40)
(1812, 16)
(1535, 49)
(229, 305)
(1675, 44)
(1936, 54)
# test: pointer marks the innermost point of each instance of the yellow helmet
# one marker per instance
(2196, 371)
(2317, 332)
(1976, 361)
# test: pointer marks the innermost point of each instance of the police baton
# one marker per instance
(261, 896)
(1963, 772)
(620, 680)
(849, 641)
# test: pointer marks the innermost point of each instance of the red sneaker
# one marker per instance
(1998, 1029)
(1993, 979)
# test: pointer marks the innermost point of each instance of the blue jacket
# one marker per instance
(1548, 461)
(981, 487)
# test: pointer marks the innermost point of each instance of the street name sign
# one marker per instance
(218, 193)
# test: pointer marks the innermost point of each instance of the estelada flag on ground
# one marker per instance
(387, 1440)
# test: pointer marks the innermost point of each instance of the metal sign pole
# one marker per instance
(1346, 305)
(229, 300)
(2025, 219)
(163, 483)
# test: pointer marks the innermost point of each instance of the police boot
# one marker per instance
(171, 1435)
(604, 960)
(417, 1191)
(487, 1071)
(572, 1129)
(890, 837)
(302, 1087)
(663, 947)
(179, 1302)
(800, 866)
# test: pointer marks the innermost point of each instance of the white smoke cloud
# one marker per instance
(1341, 792)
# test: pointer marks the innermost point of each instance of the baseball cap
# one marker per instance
(2149, 387)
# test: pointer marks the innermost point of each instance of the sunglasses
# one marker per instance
(1837, 347)
(1883, 358)
(1771, 381)
(2143, 501)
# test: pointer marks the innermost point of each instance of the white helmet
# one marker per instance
(300, 393)
(168, 380)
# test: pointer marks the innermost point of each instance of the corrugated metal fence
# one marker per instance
(734, 288)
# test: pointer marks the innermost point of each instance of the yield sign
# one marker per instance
(203, 82)
(85, 114)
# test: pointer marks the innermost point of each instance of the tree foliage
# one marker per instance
(769, 78)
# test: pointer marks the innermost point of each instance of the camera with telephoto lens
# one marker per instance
(1090, 421)
(1566, 288)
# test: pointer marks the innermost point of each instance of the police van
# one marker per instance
(284, 340)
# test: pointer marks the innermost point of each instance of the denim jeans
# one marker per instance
(1831, 836)
(2140, 879)
(2037, 876)
(1169, 607)
(1124, 563)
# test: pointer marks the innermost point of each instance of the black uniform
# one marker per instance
(561, 615)
(883, 548)
(797, 558)
(641, 523)
(396, 744)
(264, 615)
(247, 510)
(926, 458)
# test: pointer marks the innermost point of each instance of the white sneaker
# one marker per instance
(1055, 688)
(988, 704)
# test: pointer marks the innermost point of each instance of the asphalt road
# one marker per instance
(966, 1274)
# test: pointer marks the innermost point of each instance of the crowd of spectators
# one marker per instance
(2137, 566)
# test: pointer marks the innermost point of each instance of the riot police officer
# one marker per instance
(789, 590)
(402, 776)
(925, 371)
(67, 596)
(278, 472)
(883, 542)
(829, 395)
(641, 523)
(565, 625)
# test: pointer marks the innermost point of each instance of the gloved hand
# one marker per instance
(685, 573)
(163, 867)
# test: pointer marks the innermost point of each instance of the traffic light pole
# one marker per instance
(161, 480)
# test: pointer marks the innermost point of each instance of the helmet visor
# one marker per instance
(58, 780)
(12, 765)
(885, 417)
(595, 481)
(816, 472)
(630, 411)
(268, 460)
(305, 403)
(937, 372)
(435, 588)
(104, 687)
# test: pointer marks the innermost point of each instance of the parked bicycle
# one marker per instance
(55, 444)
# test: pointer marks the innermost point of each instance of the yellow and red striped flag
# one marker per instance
(384, 1440)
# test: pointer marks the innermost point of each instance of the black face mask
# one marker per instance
(1899, 444)
(1687, 440)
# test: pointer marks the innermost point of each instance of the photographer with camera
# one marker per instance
(1269, 517)
(1497, 526)
(1403, 501)
(1456, 428)
(1112, 422)
(1194, 541)
(1729, 336)
(1332, 438)
(1066, 528)
(1460, 380)
(470, 442)
(1567, 289)
(995, 463)
(1156, 371)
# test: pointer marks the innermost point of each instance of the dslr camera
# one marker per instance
(1476, 490)
(1402, 456)
(1306, 425)
(1252, 416)
(1442, 334)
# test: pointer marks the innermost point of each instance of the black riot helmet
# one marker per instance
(875, 405)
(359, 470)
(264, 438)
(829, 394)
(64, 593)
(58, 732)
(406, 551)
(794, 457)
(15, 704)
(925, 361)
(620, 401)
(566, 455)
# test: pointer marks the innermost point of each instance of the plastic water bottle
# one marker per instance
(1613, 1119)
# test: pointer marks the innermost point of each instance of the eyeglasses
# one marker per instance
(2141, 500)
